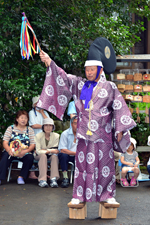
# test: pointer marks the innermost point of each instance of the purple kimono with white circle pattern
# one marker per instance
(94, 178)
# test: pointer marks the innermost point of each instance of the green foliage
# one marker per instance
(141, 131)
(59, 132)
(65, 29)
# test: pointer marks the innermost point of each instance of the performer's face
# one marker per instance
(91, 72)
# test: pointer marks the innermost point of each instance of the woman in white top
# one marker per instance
(47, 148)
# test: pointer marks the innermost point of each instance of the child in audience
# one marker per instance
(130, 161)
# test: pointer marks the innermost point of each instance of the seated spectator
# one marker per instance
(130, 161)
(36, 117)
(67, 147)
(22, 147)
(47, 148)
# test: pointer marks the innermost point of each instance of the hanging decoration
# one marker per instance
(28, 43)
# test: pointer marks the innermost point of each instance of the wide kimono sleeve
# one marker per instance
(59, 87)
(122, 122)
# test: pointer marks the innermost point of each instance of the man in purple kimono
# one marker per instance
(103, 120)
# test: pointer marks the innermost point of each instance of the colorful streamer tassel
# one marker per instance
(27, 48)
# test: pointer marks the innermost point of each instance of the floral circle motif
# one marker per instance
(84, 175)
(76, 174)
(100, 154)
(108, 128)
(111, 153)
(75, 98)
(125, 120)
(79, 191)
(115, 145)
(104, 111)
(102, 78)
(49, 72)
(90, 158)
(109, 188)
(86, 142)
(113, 85)
(70, 89)
(96, 172)
(62, 100)
(93, 125)
(80, 116)
(103, 93)
(52, 109)
(114, 193)
(117, 105)
(94, 189)
(105, 171)
(107, 52)
(88, 193)
(99, 189)
(39, 103)
(81, 157)
(113, 179)
(116, 133)
(80, 85)
(93, 176)
(60, 81)
(49, 90)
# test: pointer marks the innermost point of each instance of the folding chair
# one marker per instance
(10, 168)
(19, 168)
(72, 170)
(127, 176)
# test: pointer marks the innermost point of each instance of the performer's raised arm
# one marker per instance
(59, 87)
(45, 58)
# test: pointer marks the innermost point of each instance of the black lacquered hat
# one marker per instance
(101, 53)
